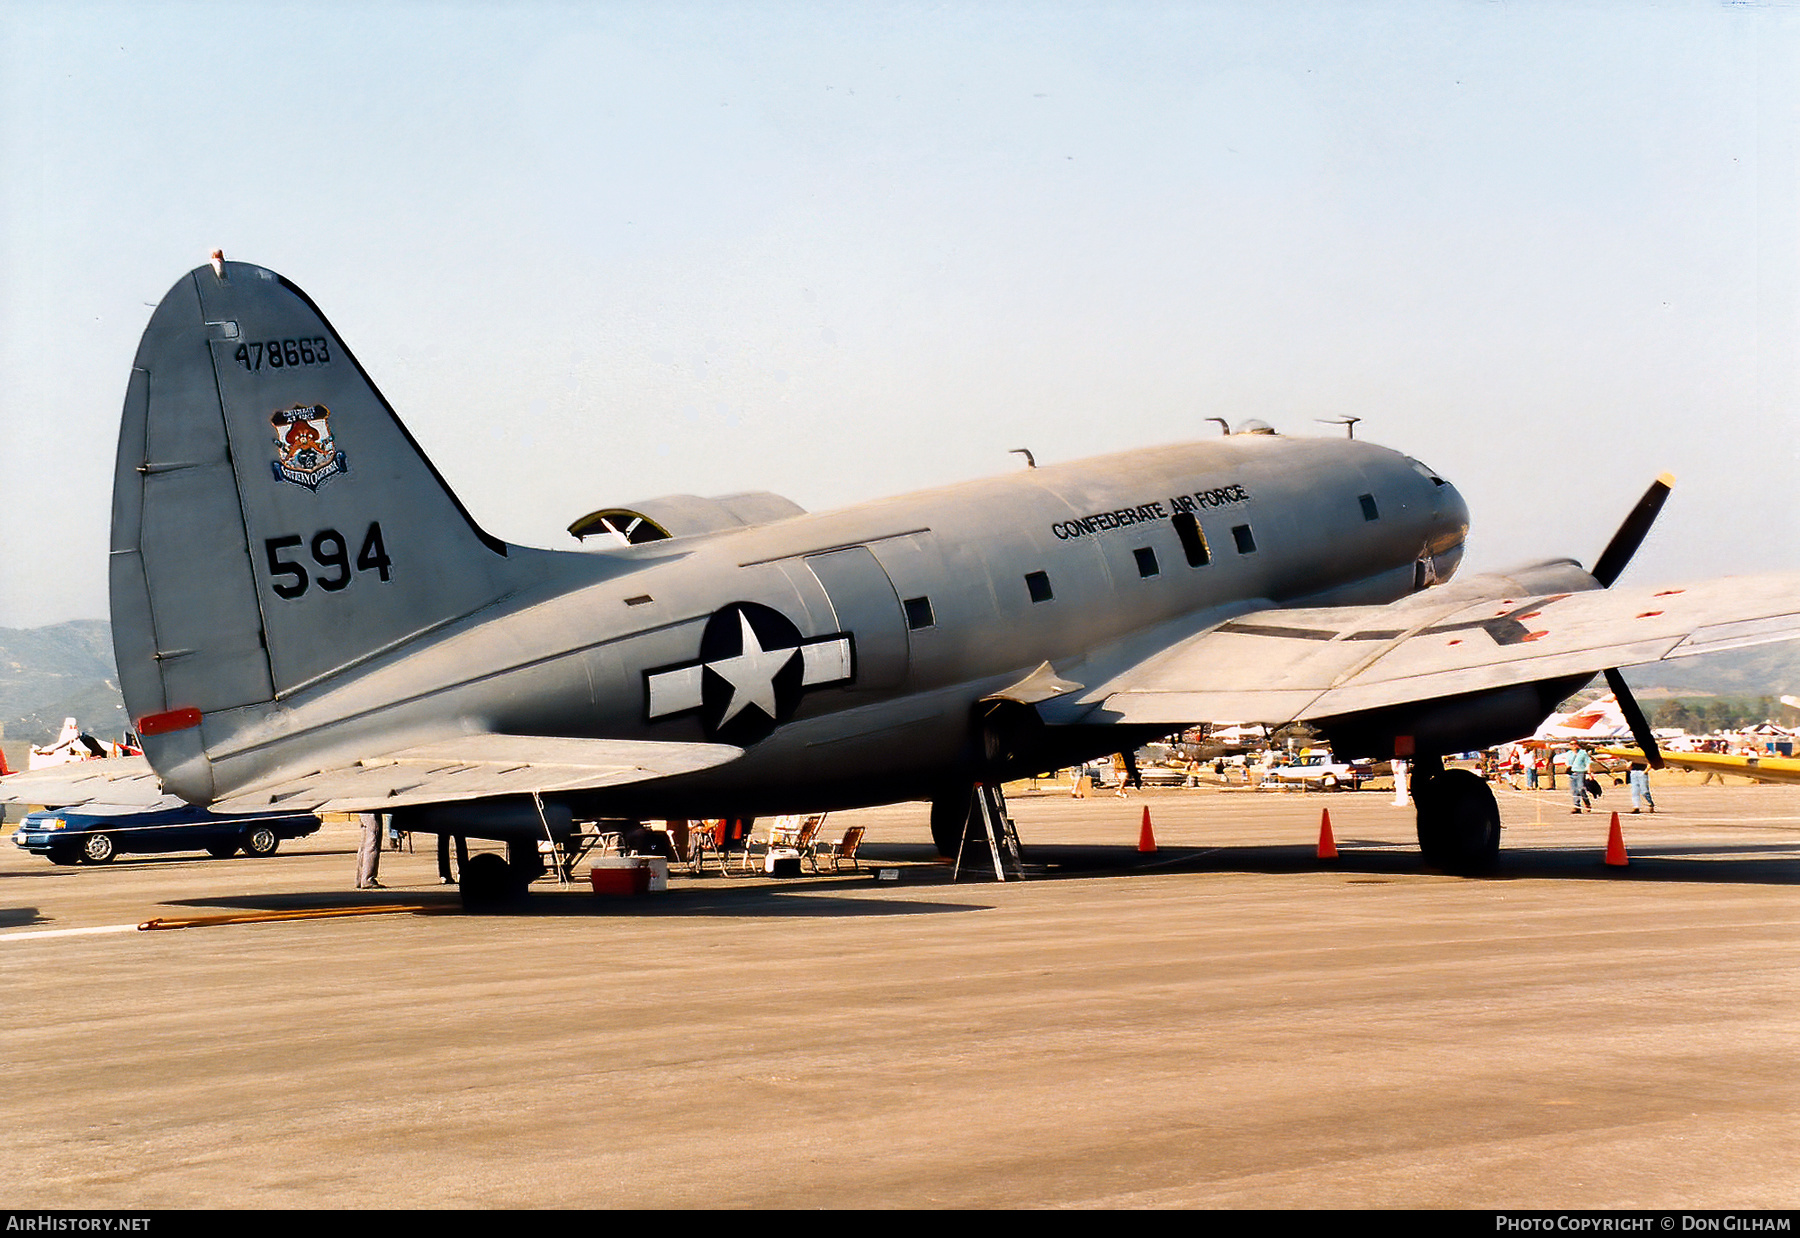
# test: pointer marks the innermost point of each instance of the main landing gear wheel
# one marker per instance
(99, 849)
(1459, 822)
(949, 814)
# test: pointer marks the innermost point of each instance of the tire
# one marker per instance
(949, 815)
(98, 848)
(261, 841)
(489, 884)
(221, 851)
(1459, 823)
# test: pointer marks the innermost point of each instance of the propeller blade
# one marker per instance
(1631, 534)
(1634, 718)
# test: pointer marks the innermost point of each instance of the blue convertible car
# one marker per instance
(72, 836)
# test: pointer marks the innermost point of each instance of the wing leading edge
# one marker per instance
(1299, 665)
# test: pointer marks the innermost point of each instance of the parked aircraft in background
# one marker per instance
(1598, 721)
(305, 617)
(74, 744)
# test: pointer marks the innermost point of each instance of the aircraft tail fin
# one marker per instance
(273, 521)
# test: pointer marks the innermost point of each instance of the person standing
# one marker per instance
(446, 875)
(1579, 760)
(1639, 778)
(368, 854)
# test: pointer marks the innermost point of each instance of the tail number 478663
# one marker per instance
(331, 557)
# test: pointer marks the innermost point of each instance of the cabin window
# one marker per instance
(1038, 584)
(1370, 511)
(1146, 561)
(918, 613)
(1193, 539)
(1246, 540)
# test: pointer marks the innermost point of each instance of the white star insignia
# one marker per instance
(751, 674)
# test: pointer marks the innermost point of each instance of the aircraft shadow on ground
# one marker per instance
(828, 896)
(1749, 864)
(807, 898)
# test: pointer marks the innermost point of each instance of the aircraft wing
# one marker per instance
(1763, 769)
(464, 768)
(1294, 665)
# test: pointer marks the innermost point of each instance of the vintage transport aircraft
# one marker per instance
(305, 617)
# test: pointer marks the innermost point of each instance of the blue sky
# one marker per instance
(596, 253)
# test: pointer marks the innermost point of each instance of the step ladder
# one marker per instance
(988, 825)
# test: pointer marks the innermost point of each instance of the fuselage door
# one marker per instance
(869, 610)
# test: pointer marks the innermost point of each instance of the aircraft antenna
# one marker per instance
(217, 258)
(1224, 426)
(1030, 460)
(1349, 423)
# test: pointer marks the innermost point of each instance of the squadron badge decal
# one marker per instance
(754, 667)
(305, 452)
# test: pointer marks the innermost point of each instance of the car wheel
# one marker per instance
(261, 841)
(221, 851)
(98, 848)
(1331, 782)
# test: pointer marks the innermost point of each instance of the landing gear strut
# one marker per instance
(1459, 821)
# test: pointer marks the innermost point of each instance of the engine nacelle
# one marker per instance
(683, 515)
(1438, 727)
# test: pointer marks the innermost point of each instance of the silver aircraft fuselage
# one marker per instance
(909, 610)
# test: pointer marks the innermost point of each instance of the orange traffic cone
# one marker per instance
(1146, 840)
(1615, 845)
(1327, 844)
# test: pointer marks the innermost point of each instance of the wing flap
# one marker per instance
(1295, 665)
(480, 767)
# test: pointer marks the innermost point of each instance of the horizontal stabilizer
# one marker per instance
(114, 781)
(482, 766)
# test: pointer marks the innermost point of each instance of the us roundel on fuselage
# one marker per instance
(753, 668)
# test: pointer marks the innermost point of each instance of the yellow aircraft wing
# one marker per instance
(1763, 769)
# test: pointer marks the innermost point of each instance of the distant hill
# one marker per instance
(1762, 670)
(66, 671)
(63, 671)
